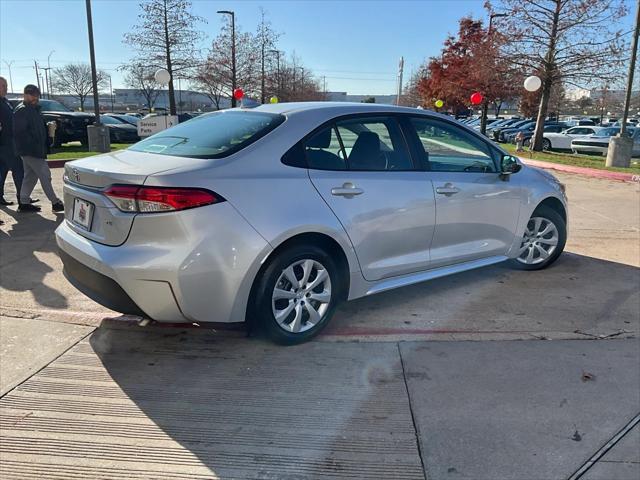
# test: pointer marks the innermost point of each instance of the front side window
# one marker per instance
(213, 135)
(448, 148)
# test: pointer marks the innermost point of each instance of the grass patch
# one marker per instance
(73, 150)
(576, 160)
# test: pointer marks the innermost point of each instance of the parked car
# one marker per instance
(119, 130)
(125, 117)
(562, 140)
(528, 132)
(278, 213)
(599, 141)
(70, 126)
(498, 135)
(578, 122)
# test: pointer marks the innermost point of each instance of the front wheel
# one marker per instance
(543, 240)
(546, 144)
(297, 294)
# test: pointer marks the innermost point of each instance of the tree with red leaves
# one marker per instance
(470, 62)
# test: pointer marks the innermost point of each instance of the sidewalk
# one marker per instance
(590, 172)
(131, 402)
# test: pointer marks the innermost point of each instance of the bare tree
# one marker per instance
(220, 65)
(573, 42)
(266, 39)
(208, 81)
(75, 79)
(166, 37)
(143, 80)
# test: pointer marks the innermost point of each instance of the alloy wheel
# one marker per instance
(539, 242)
(301, 296)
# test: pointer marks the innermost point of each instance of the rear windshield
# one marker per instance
(213, 135)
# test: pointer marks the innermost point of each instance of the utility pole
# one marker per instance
(400, 72)
(324, 87)
(111, 93)
(37, 74)
(621, 146)
(234, 84)
(46, 80)
(8, 64)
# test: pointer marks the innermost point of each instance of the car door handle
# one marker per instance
(447, 189)
(347, 189)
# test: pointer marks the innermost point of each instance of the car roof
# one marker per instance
(339, 108)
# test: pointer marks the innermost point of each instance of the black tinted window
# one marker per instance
(213, 135)
(324, 152)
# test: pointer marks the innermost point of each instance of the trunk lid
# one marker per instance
(86, 178)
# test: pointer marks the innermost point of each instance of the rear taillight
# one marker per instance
(137, 199)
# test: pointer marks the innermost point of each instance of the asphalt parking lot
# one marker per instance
(449, 379)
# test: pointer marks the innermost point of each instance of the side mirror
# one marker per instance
(509, 165)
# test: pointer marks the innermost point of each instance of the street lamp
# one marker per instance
(8, 64)
(495, 15)
(49, 68)
(233, 53)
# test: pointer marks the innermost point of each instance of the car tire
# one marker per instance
(291, 314)
(546, 144)
(536, 243)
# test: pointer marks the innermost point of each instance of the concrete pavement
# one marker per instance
(150, 403)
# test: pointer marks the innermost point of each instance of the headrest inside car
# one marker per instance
(321, 139)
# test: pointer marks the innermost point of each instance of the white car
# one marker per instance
(599, 142)
(562, 140)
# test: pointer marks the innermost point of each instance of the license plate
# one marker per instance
(82, 213)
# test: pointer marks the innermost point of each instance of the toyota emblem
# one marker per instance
(76, 174)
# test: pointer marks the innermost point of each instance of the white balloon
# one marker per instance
(532, 83)
(162, 76)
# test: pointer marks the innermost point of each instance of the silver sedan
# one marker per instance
(275, 215)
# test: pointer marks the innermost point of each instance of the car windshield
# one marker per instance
(53, 106)
(212, 135)
(107, 120)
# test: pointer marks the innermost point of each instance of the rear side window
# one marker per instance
(213, 135)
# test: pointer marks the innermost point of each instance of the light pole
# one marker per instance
(485, 105)
(46, 81)
(111, 93)
(621, 147)
(233, 53)
(8, 64)
(98, 135)
(49, 89)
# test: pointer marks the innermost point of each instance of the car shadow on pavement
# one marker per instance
(194, 402)
(576, 293)
(21, 270)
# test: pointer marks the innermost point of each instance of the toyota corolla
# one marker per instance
(275, 215)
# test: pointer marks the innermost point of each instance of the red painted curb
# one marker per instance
(590, 172)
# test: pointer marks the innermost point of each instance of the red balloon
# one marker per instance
(238, 94)
(476, 98)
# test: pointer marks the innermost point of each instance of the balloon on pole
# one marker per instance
(439, 103)
(532, 83)
(476, 98)
(238, 94)
(162, 76)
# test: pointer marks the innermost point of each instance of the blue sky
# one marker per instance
(355, 44)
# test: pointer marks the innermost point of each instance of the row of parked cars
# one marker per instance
(575, 135)
(71, 126)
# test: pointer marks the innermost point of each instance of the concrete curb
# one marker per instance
(590, 172)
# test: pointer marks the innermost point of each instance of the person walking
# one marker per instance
(31, 140)
(9, 161)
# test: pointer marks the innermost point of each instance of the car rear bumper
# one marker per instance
(196, 265)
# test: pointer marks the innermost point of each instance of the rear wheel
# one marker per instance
(297, 294)
(543, 240)
(546, 144)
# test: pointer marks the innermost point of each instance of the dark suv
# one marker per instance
(71, 126)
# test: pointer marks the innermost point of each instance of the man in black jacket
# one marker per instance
(9, 161)
(31, 142)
